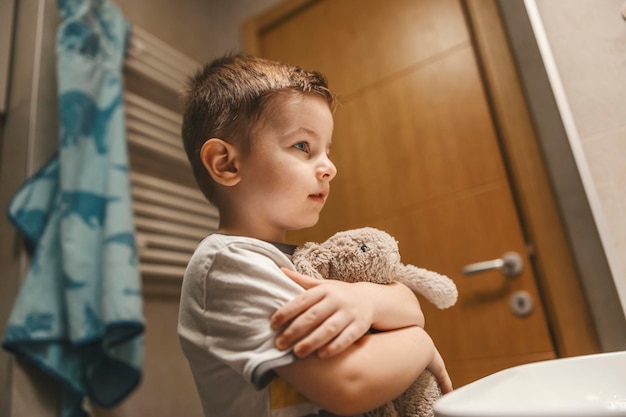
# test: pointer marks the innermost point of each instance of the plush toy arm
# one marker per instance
(419, 399)
(438, 289)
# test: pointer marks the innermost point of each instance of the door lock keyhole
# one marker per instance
(521, 304)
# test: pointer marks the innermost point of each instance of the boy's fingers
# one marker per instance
(294, 308)
(446, 383)
(345, 339)
(304, 325)
(321, 336)
(298, 305)
(438, 368)
(304, 281)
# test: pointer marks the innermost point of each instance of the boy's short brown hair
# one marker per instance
(226, 98)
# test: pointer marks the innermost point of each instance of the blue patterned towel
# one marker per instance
(78, 315)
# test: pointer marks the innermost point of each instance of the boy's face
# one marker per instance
(285, 178)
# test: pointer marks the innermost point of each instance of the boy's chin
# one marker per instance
(305, 225)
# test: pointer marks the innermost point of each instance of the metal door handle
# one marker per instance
(510, 263)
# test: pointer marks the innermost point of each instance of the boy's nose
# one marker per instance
(327, 170)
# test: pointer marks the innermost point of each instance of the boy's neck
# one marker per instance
(254, 233)
(243, 222)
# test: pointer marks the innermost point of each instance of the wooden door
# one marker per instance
(418, 155)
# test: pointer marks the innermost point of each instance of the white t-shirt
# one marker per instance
(231, 288)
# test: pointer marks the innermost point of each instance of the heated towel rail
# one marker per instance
(171, 215)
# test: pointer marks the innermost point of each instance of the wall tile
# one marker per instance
(587, 39)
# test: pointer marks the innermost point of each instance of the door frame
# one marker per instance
(549, 249)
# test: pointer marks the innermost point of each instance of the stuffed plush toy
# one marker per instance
(371, 255)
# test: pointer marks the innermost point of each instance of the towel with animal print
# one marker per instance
(78, 315)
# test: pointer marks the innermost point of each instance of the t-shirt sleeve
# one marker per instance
(245, 287)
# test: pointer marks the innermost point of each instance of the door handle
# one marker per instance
(510, 264)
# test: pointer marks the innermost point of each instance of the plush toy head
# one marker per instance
(371, 255)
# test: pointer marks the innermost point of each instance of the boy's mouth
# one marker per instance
(319, 196)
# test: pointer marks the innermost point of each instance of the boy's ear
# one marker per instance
(221, 160)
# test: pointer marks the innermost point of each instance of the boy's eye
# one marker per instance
(302, 146)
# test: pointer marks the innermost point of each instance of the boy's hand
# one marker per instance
(438, 368)
(328, 318)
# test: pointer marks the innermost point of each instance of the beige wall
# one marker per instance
(586, 39)
(30, 114)
(202, 29)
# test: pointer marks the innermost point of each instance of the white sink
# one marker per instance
(581, 386)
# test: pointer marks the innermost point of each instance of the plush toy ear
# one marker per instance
(436, 288)
(306, 259)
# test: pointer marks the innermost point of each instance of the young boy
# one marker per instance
(261, 339)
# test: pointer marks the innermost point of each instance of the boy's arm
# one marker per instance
(331, 315)
(372, 371)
